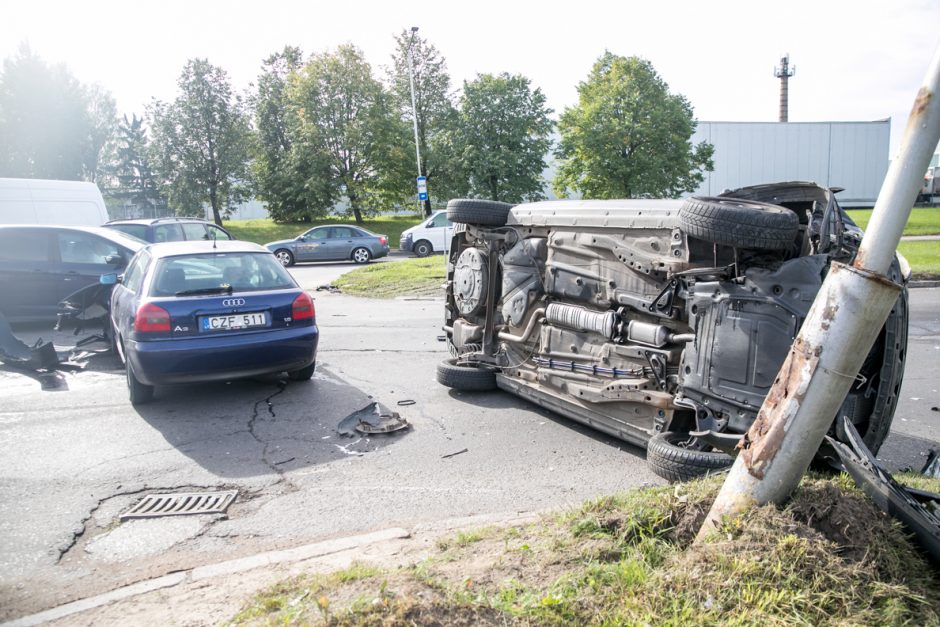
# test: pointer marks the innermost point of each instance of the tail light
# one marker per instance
(302, 309)
(151, 318)
(383, 240)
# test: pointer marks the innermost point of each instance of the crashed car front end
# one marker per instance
(660, 322)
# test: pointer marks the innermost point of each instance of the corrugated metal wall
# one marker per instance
(853, 155)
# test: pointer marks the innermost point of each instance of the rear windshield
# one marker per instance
(244, 272)
(137, 230)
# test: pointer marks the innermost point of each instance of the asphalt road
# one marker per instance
(75, 459)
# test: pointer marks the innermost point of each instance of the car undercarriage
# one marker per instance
(660, 322)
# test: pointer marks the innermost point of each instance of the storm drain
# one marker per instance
(156, 505)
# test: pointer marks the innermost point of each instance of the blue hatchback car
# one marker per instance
(187, 312)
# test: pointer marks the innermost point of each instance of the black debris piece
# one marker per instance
(918, 510)
(14, 352)
(371, 419)
(464, 450)
(332, 289)
(406, 402)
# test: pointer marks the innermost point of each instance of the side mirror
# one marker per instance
(115, 259)
(299, 238)
(109, 279)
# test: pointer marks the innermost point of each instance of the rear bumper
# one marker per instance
(381, 252)
(220, 358)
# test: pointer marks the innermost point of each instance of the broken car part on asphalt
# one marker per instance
(917, 509)
(660, 322)
(371, 419)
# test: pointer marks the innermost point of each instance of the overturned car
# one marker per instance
(659, 322)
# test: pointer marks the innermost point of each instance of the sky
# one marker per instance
(855, 60)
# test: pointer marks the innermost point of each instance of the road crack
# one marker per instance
(256, 414)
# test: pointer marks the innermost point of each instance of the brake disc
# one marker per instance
(470, 277)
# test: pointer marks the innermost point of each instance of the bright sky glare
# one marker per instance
(855, 60)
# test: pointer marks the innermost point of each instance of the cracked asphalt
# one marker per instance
(74, 460)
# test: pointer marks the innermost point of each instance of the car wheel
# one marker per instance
(739, 223)
(480, 212)
(303, 374)
(284, 256)
(670, 460)
(361, 255)
(466, 377)
(138, 392)
(423, 248)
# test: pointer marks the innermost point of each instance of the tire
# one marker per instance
(137, 391)
(361, 255)
(423, 248)
(464, 377)
(303, 374)
(675, 463)
(739, 223)
(479, 212)
(285, 256)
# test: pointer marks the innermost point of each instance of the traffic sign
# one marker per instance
(422, 187)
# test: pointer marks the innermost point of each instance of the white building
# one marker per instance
(851, 155)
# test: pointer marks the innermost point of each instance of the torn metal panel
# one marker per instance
(14, 352)
(893, 498)
(371, 419)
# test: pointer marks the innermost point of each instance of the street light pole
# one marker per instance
(414, 109)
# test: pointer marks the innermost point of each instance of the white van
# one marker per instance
(39, 201)
(431, 236)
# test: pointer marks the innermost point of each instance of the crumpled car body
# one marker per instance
(660, 322)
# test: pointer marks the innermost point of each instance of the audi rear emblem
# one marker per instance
(233, 302)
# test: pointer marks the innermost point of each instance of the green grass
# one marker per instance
(923, 220)
(829, 557)
(264, 231)
(924, 258)
(411, 277)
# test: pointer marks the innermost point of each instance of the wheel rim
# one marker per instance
(361, 255)
(284, 257)
(423, 250)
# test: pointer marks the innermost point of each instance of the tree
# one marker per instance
(435, 112)
(136, 181)
(344, 119)
(201, 141)
(501, 136)
(287, 189)
(629, 137)
(50, 125)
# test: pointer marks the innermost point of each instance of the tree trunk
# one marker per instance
(427, 207)
(354, 204)
(494, 188)
(214, 201)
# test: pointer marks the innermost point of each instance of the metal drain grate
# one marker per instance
(155, 505)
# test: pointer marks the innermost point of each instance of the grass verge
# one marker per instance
(411, 277)
(829, 558)
(924, 258)
(264, 231)
(923, 220)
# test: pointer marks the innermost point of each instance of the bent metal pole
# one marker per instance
(850, 309)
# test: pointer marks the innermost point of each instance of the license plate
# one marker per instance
(234, 321)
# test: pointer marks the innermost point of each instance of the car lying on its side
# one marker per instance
(660, 322)
(41, 266)
(188, 312)
(331, 242)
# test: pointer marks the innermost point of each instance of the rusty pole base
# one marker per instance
(812, 384)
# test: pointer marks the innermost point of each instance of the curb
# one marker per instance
(318, 549)
(916, 284)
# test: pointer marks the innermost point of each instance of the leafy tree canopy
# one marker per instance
(52, 126)
(498, 145)
(628, 136)
(201, 142)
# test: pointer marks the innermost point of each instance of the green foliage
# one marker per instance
(628, 136)
(136, 185)
(293, 189)
(923, 220)
(496, 149)
(924, 257)
(51, 126)
(201, 141)
(435, 112)
(416, 277)
(346, 135)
